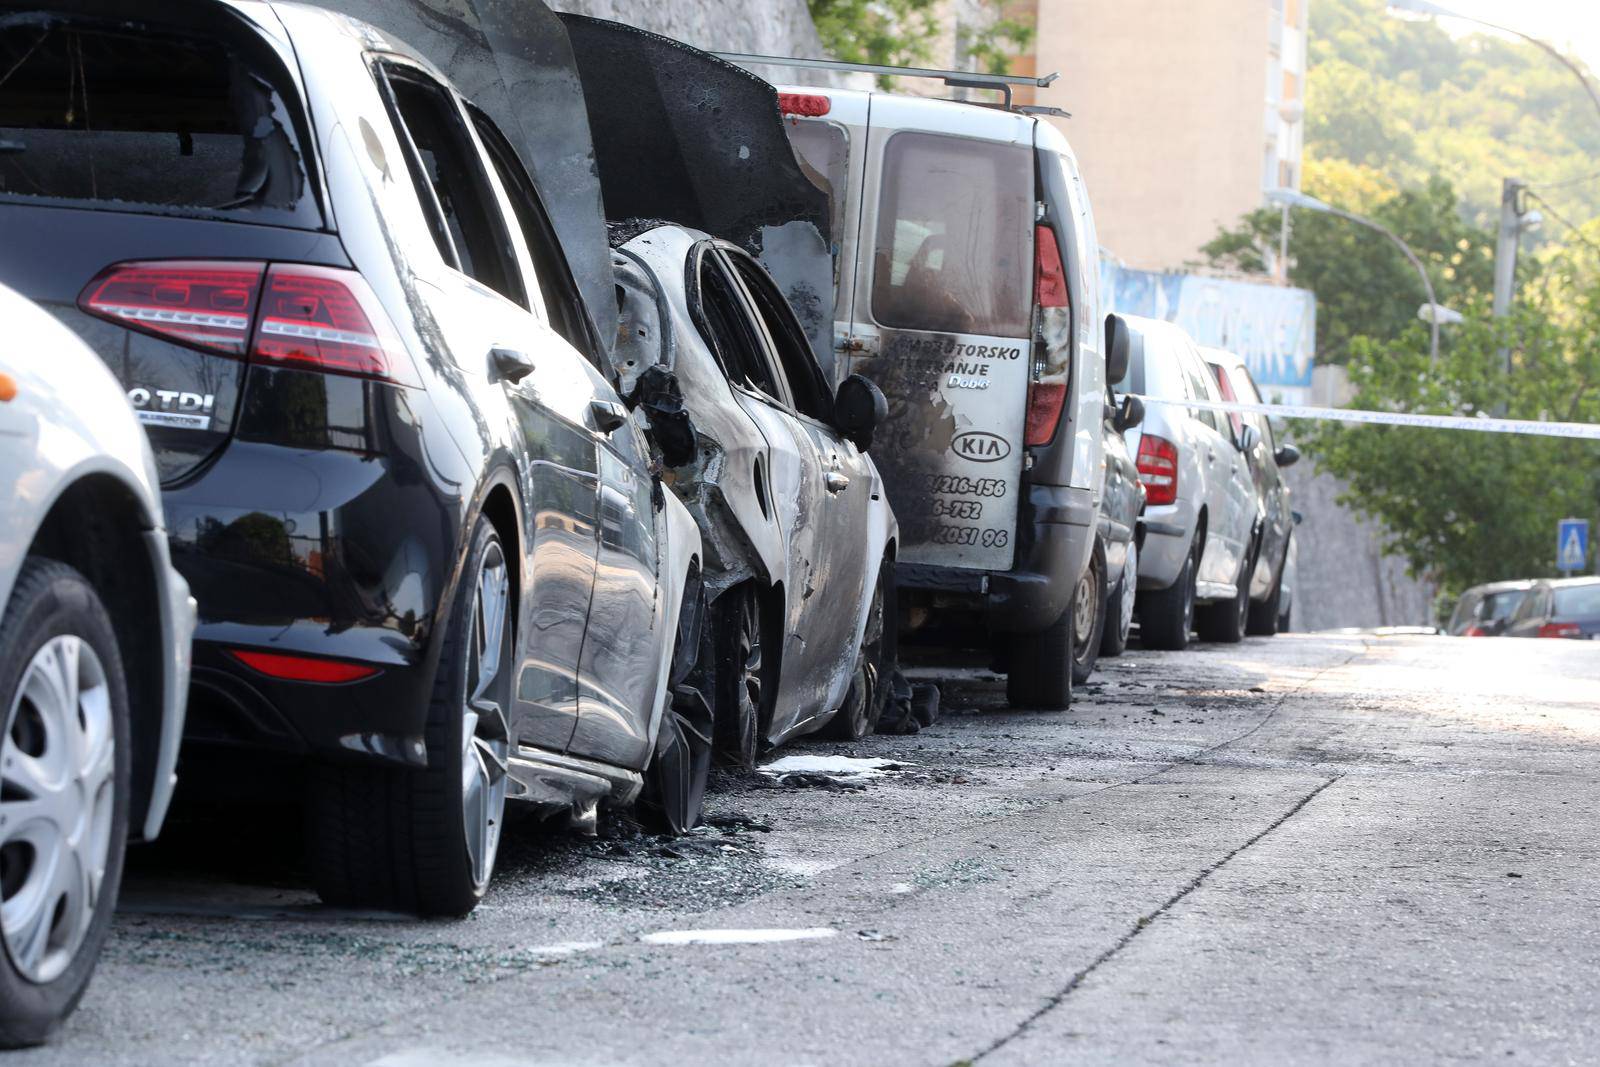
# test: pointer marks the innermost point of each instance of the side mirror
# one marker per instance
(1118, 344)
(1286, 456)
(858, 407)
(1249, 438)
(1131, 415)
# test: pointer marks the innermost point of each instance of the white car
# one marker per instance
(1202, 517)
(94, 661)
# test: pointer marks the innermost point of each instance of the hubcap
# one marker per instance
(1130, 590)
(1083, 610)
(56, 798)
(484, 738)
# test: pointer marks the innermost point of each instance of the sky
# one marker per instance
(1571, 25)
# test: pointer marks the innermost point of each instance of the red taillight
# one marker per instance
(302, 668)
(1049, 279)
(318, 317)
(1560, 629)
(1158, 469)
(809, 105)
(1474, 631)
(1044, 411)
(204, 304)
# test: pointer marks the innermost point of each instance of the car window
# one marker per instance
(1498, 606)
(740, 349)
(1577, 600)
(807, 386)
(450, 179)
(825, 148)
(563, 306)
(1199, 389)
(1235, 420)
(1245, 390)
(954, 244)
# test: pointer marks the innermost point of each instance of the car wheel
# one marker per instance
(739, 676)
(1166, 616)
(1119, 608)
(1285, 619)
(1263, 621)
(426, 841)
(1224, 621)
(64, 799)
(1088, 616)
(1040, 671)
(675, 778)
(869, 688)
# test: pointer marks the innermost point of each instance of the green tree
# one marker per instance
(885, 32)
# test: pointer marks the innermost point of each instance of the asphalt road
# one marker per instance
(1308, 849)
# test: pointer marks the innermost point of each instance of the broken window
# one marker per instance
(955, 236)
(806, 382)
(134, 118)
(825, 148)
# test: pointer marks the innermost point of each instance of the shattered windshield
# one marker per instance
(132, 119)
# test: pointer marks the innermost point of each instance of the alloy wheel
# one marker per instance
(1083, 608)
(1130, 592)
(57, 796)
(485, 746)
(750, 653)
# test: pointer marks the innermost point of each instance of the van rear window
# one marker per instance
(129, 118)
(955, 236)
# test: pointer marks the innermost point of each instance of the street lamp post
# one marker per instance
(1294, 198)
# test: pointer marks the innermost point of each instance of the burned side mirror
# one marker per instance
(1118, 344)
(1287, 456)
(1131, 415)
(858, 407)
(657, 391)
(1249, 437)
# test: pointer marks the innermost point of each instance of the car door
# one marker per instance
(1223, 550)
(845, 561)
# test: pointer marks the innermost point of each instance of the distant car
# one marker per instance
(1103, 606)
(94, 661)
(1566, 607)
(1201, 518)
(1484, 610)
(1267, 461)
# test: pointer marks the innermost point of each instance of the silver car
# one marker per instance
(1201, 520)
(94, 662)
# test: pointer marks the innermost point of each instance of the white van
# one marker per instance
(967, 276)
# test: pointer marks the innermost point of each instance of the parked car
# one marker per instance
(432, 562)
(1267, 461)
(1201, 518)
(1484, 610)
(1103, 606)
(1289, 584)
(1562, 607)
(968, 276)
(94, 662)
(800, 537)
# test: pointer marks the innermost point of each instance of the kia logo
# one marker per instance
(980, 446)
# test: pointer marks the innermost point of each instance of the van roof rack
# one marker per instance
(961, 79)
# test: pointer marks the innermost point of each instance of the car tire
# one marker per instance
(1119, 608)
(1224, 621)
(425, 841)
(1088, 616)
(1285, 619)
(57, 632)
(1040, 667)
(673, 800)
(870, 687)
(739, 676)
(1166, 616)
(1263, 620)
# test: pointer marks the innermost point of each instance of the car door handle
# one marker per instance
(509, 364)
(835, 481)
(607, 415)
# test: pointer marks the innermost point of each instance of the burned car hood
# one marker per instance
(683, 136)
(512, 59)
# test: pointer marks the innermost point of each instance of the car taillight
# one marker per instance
(321, 318)
(1047, 393)
(1474, 631)
(1049, 279)
(1158, 469)
(302, 668)
(326, 319)
(204, 304)
(1560, 629)
(1044, 411)
(810, 105)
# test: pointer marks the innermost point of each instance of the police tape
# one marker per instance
(1527, 427)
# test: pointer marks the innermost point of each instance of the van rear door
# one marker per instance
(935, 306)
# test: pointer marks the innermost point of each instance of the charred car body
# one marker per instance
(431, 561)
(798, 532)
(968, 289)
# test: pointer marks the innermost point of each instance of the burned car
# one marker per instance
(799, 537)
(434, 569)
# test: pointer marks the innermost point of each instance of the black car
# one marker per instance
(433, 565)
(1564, 607)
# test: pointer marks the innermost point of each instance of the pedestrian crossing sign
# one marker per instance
(1572, 544)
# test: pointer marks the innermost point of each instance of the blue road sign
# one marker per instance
(1572, 544)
